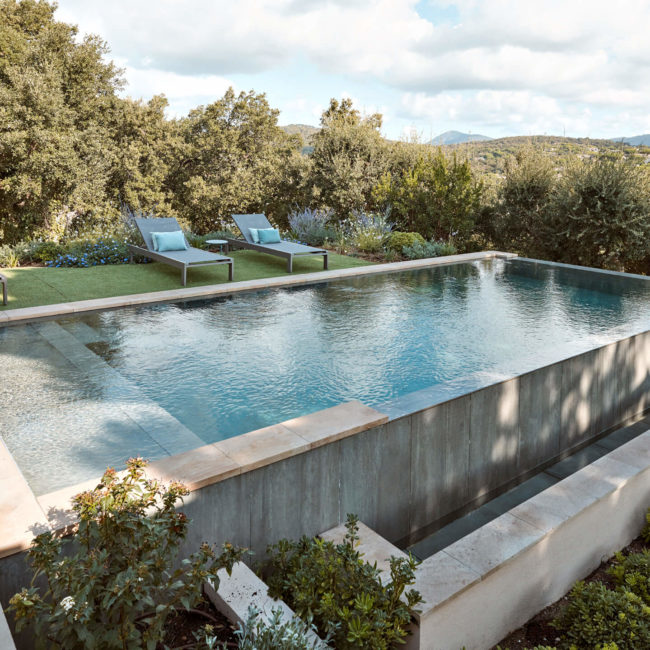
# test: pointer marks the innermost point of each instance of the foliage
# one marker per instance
(312, 226)
(632, 573)
(367, 231)
(596, 615)
(231, 159)
(112, 586)
(274, 633)
(599, 214)
(8, 257)
(46, 251)
(344, 594)
(428, 249)
(438, 197)
(348, 160)
(523, 201)
(91, 253)
(55, 94)
(397, 240)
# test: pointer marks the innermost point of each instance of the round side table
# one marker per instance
(217, 242)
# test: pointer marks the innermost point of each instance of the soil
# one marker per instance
(539, 631)
(179, 630)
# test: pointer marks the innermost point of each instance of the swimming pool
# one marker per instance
(90, 391)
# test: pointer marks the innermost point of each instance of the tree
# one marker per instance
(522, 201)
(599, 214)
(55, 94)
(232, 159)
(348, 160)
(438, 197)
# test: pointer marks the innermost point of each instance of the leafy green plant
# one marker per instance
(397, 240)
(428, 249)
(632, 573)
(596, 616)
(8, 257)
(46, 251)
(343, 593)
(112, 584)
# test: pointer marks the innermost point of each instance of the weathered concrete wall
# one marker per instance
(403, 476)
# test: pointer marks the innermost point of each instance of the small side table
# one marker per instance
(218, 242)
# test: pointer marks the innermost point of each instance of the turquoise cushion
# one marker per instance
(254, 236)
(169, 241)
(269, 236)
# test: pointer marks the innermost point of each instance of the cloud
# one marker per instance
(558, 57)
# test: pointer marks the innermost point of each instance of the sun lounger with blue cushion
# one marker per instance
(165, 242)
(260, 236)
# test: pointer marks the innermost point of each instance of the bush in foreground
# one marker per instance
(111, 585)
(343, 593)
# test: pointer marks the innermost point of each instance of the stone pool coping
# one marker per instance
(226, 288)
(24, 515)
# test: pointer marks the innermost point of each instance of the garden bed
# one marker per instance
(539, 630)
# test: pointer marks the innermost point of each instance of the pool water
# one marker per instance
(82, 393)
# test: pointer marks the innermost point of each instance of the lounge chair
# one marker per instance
(286, 249)
(3, 282)
(182, 259)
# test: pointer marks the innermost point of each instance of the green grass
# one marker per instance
(33, 286)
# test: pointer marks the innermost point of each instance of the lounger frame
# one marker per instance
(285, 250)
(195, 256)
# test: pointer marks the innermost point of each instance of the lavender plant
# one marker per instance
(312, 227)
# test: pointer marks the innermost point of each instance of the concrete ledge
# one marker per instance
(243, 589)
(6, 640)
(505, 572)
(30, 313)
(21, 517)
(21, 513)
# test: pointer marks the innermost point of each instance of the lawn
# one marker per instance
(32, 286)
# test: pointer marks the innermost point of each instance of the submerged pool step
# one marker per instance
(503, 503)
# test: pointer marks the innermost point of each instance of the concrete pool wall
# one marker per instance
(402, 473)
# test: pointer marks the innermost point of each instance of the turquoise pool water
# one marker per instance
(82, 393)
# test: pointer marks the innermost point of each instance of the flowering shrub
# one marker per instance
(368, 230)
(88, 253)
(112, 585)
(312, 226)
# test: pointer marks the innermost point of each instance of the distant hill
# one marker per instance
(635, 141)
(305, 130)
(456, 137)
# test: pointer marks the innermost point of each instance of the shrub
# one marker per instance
(428, 249)
(397, 240)
(344, 594)
(312, 226)
(111, 585)
(632, 572)
(368, 230)
(89, 253)
(596, 616)
(275, 633)
(46, 251)
(8, 257)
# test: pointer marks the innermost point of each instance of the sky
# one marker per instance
(496, 67)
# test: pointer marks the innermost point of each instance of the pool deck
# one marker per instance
(12, 316)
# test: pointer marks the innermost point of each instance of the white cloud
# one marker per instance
(537, 60)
